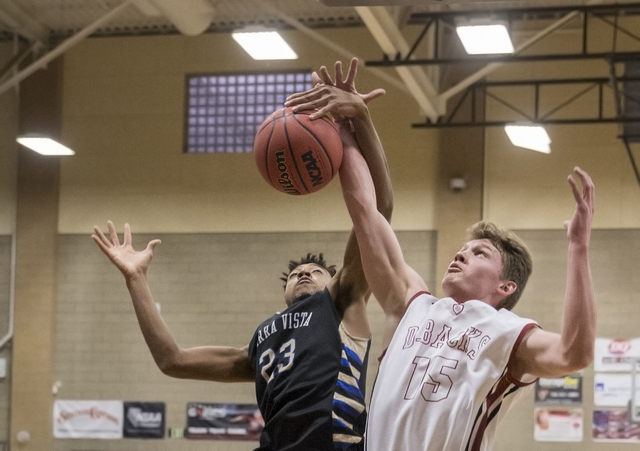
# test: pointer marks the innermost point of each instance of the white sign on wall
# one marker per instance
(614, 390)
(87, 419)
(616, 354)
(558, 425)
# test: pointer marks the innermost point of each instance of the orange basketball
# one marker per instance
(296, 155)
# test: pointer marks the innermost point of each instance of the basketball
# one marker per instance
(296, 155)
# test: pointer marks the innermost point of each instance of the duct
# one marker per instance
(390, 39)
(190, 17)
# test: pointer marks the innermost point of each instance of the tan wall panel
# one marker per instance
(124, 111)
(8, 152)
(529, 189)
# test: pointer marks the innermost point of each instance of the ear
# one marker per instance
(507, 287)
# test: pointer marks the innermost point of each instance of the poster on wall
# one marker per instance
(558, 425)
(223, 421)
(613, 425)
(614, 390)
(615, 354)
(144, 419)
(559, 391)
(87, 419)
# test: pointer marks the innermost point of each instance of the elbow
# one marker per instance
(170, 366)
(580, 361)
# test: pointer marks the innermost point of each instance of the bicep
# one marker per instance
(213, 363)
(541, 355)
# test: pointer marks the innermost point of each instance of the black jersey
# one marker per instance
(310, 378)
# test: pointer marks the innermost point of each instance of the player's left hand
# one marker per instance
(338, 99)
(579, 227)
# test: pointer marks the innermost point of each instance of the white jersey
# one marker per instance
(443, 382)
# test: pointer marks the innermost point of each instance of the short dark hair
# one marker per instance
(516, 258)
(310, 258)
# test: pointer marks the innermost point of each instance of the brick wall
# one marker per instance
(213, 289)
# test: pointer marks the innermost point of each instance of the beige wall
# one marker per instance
(8, 152)
(124, 113)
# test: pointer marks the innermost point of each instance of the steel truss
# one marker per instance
(469, 108)
(607, 14)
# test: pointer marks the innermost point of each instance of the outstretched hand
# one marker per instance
(126, 259)
(579, 227)
(338, 99)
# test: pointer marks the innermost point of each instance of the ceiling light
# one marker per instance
(264, 45)
(44, 146)
(485, 38)
(533, 137)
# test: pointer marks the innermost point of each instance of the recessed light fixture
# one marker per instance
(264, 45)
(533, 137)
(44, 145)
(482, 39)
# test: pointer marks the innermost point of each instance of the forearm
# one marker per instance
(381, 255)
(579, 316)
(372, 150)
(154, 330)
(212, 363)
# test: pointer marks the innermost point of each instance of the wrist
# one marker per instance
(136, 276)
(362, 116)
(578, 246)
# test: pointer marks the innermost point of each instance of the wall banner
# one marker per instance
(615, 354)
(558, 425)
(613, 425)
(87, 419)
(223, 421)
(144, 419)
(559, 391)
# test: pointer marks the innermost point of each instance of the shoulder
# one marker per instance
(422, 299)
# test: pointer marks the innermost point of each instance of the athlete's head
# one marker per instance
(493, 266)
(306, 276)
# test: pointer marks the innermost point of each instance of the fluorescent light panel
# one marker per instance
(264, 45)
(485, 39)
(44, 146)
(533, 137)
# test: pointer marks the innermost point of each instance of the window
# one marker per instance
(225, 111)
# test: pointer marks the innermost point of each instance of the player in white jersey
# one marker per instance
(453, 366)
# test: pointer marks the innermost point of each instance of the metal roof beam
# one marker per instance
(66, 45)
(385, 31)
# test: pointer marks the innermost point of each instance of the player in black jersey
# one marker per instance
(309, 361)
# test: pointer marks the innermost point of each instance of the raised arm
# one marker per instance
(547, 354)
(341, 101)
(215, 363)
(391, 280)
